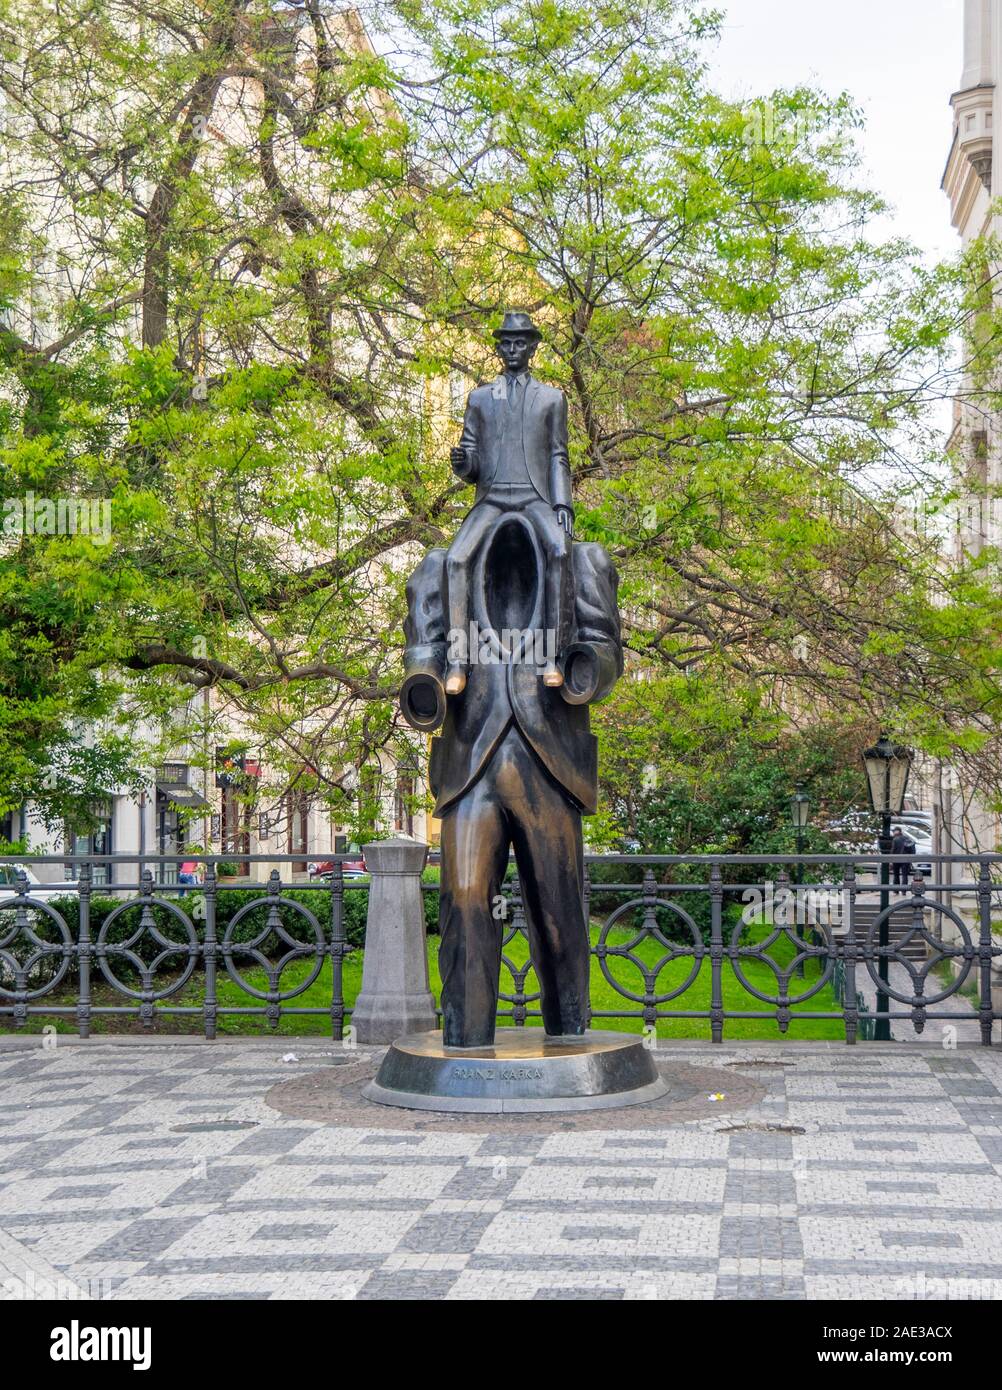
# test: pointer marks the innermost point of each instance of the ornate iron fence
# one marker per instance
(867, 1023)
(732, 929)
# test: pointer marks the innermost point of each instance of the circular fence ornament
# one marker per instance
(19, 971)
(918, 904)
(147, 931)
(274, 904)
(650, 904)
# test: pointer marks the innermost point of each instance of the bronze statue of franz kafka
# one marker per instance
(511, 634)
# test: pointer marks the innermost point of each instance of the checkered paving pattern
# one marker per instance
(159, 1170)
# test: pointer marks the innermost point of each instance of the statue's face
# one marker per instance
(515, 351)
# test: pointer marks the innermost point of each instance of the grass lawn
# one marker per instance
(603, 997)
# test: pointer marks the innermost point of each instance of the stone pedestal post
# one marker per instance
(395, 997)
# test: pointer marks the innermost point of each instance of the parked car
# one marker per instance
(920, 831)
(9, 877)
(923, 846)
(351, 867)
(851, 833)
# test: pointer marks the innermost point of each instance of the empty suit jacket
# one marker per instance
(498, 694)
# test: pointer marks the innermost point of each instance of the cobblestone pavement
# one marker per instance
(963, 1019)
(156, 1168)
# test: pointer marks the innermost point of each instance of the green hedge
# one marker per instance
(121, 930)
(603, 903)
(229, 901)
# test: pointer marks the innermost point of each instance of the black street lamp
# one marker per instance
(887, 767)
(800, 810)
(800, 814)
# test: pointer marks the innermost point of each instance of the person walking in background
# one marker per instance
(901, 844)
(187, 876)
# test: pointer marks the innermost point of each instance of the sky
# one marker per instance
(899, 59)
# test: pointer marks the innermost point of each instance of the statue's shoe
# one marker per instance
(455, 681)
(552, 676)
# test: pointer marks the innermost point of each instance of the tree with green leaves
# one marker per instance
(248, 251)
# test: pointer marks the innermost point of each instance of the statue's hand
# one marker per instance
(565, 518)
(464, 461)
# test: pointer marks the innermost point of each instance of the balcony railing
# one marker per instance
(716, 938)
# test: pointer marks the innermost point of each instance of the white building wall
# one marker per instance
(971, 179)
(973, 176)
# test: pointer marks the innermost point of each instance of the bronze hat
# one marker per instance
(518, 321)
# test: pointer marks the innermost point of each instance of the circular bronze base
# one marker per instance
(524, 1071)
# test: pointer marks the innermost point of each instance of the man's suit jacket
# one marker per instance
(544, 438)
(497, 693)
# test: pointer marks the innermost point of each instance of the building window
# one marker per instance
(236, 828)
(170, 837)
(100, 840)
(403, 804)
(979, 457)
(297, 820)
(177, 804)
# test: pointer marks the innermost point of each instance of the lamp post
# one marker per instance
(800, 814)
(887, 767)
(800, 810)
